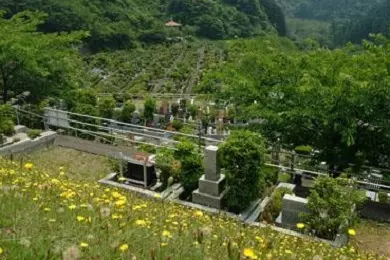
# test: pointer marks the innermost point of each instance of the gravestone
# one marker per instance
(212, 183)
(292, 207)
(139, 170)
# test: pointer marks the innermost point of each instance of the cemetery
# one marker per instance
(203, 173)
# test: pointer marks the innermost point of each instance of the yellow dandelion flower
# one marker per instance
(72, 207)
(163, 244)
(62, 173)
(1, 251)
(157, 195)
(199, 213)
(28, 166)
(35, 199)
(300, 225)
(351, 232)
(136, 207)
(46, 209)
(61, 168)
(287, 251)
(80, 218)
(116, 194)
(116, 216)
(55, 181)
(84, 245)
(248, 252)
(140, 222)
(166, 233)
(52, 220)
(124, 247)
(120, 203)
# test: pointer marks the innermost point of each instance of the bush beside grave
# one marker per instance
(274, 206)
(241, 156)
(33, 133)
(168, 165)
(303, 149)
(191, 168)
(284, 177)
(147, 148)
(331, 204)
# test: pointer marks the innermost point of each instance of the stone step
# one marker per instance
(248, 211)
(254, 216)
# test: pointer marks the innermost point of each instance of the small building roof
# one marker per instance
(172, 23)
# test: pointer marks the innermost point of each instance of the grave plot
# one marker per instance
(329, 212)
(23, 140)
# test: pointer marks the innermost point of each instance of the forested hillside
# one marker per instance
(126, 23)
(332, 23)
(376, 20)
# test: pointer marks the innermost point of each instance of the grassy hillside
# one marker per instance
(48, 215)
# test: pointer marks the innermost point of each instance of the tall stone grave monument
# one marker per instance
(212, 183)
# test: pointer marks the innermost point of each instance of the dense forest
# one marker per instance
(333, 23)
(127, 23)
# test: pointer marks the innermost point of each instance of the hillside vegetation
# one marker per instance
(333, 23)
(127, 23)
(58, 217)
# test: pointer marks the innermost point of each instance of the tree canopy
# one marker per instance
(334, 101)
(37, 62)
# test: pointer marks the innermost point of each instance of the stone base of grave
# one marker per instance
(208, 200)
(213, 188)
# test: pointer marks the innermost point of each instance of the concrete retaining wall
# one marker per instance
(45, 140)
(376, 211)
(92, 147)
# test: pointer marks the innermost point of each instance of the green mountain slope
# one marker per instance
(377, 20)
(122, 24)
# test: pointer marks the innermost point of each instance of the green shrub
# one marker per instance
(241, 156)
(149, 108)
(303, 149)
(330, 205)
(270, 174)
(383, 197)
(147, 148)
(127, 111)
(114, 165)
(33, 133)
(7, 127)
(165, 161)
(274, 206)
(284, 177)
(177, 124)
(106, 107)
(191, 165)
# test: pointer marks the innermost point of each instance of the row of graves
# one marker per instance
(170, 111)
(139, 174)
